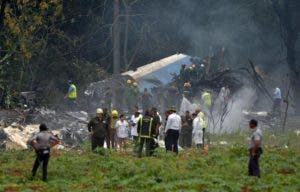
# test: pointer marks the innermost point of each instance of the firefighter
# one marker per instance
(146, 132)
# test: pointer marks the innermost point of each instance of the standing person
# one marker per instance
(157, 122)
(198, 132)
(107, 119)
(72, 96)
(185, 139)
(122, 127)
(134, 124)
(224, 94)
(146, 132)
(133, 128)
(187, 90)
(42, 142)
(183, 74)
(207, 101)
(172, 95)
(172, 131)
(223, 99)
(113, 130)
(201, 114)
(98, 126)
(131, 95)
(146, 99)
(255, 149)
(277, 101)
(163, 128)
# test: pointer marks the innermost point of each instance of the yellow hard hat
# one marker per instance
(129, 81)
(114, 113)
(201, 115)
(135, 84)
(191, 68)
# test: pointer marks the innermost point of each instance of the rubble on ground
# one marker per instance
(16, 136)
(70, 126)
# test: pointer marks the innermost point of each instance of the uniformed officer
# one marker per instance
(255, 149)
(42, 142)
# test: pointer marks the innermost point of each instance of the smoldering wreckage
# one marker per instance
(160, 78)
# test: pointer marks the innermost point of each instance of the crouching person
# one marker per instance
(42, 142)
(146, 131)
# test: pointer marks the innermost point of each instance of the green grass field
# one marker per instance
(223, 168)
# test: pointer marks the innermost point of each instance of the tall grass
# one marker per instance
(223, 168)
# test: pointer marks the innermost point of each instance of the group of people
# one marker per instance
(129, 95)
(116, 129)
(146, 129)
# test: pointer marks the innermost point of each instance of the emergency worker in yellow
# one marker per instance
(207, 100)
(72, 96)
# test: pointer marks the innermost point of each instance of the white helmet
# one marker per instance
(99, 111)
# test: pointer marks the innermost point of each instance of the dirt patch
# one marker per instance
(286, 171)
(12, 189)
(246, 189)
(55, 154)
(16, 173)
(81, 186)
(37, 188)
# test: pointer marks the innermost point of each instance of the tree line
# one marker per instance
(43, 43)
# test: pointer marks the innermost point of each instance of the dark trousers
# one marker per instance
(185, 139)
(97, 142)
(277, 107)
(42, 156)
(72, 104)
(253, 167)
(199, 146)
(136, 144)
(111, 139)
(149, 148)
(172, 140)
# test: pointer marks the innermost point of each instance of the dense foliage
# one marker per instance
(223, 168)
(43, 43)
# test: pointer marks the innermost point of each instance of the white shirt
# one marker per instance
(255, 136)
(173, 122)
(198, 130)
(277, 93)
(135, 120)
(122, 129)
